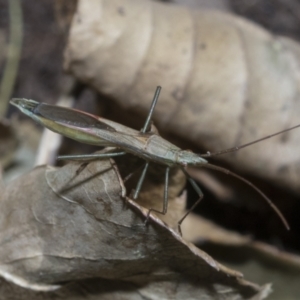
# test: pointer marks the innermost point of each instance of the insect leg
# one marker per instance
(154, 101)
(198, 191)
(131, 174)
(89, 157)
(166, 192)
(86, 158)
(140, 182)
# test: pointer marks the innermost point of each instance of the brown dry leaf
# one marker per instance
(197, 229)
(257, 260)
(101, 289)
(58, 226)
(226, 81)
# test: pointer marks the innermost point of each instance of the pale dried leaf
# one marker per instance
(100, 289)
(197, 229)
(205, 4)
(225, 80)
(58, 226)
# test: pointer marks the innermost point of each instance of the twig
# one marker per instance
(13, 54)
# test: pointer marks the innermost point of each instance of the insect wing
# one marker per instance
(71, 117)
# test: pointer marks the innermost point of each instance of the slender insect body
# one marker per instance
(154, 148)
(89, 129)
(147, 144)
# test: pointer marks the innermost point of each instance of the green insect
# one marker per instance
(146, 144)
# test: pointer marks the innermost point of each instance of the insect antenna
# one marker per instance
(249, 183)
(233, 149)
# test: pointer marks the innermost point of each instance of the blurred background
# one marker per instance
(34, 36)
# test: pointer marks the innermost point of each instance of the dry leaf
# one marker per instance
(226, 81)
(58, 226)
(258, 261)
(96, 289)
(197, 229)
(205, 4)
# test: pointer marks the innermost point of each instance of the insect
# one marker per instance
(146, 143)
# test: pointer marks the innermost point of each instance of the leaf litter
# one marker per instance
(59, 225)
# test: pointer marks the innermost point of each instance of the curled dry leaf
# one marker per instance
(62, 225)
(226, 81)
